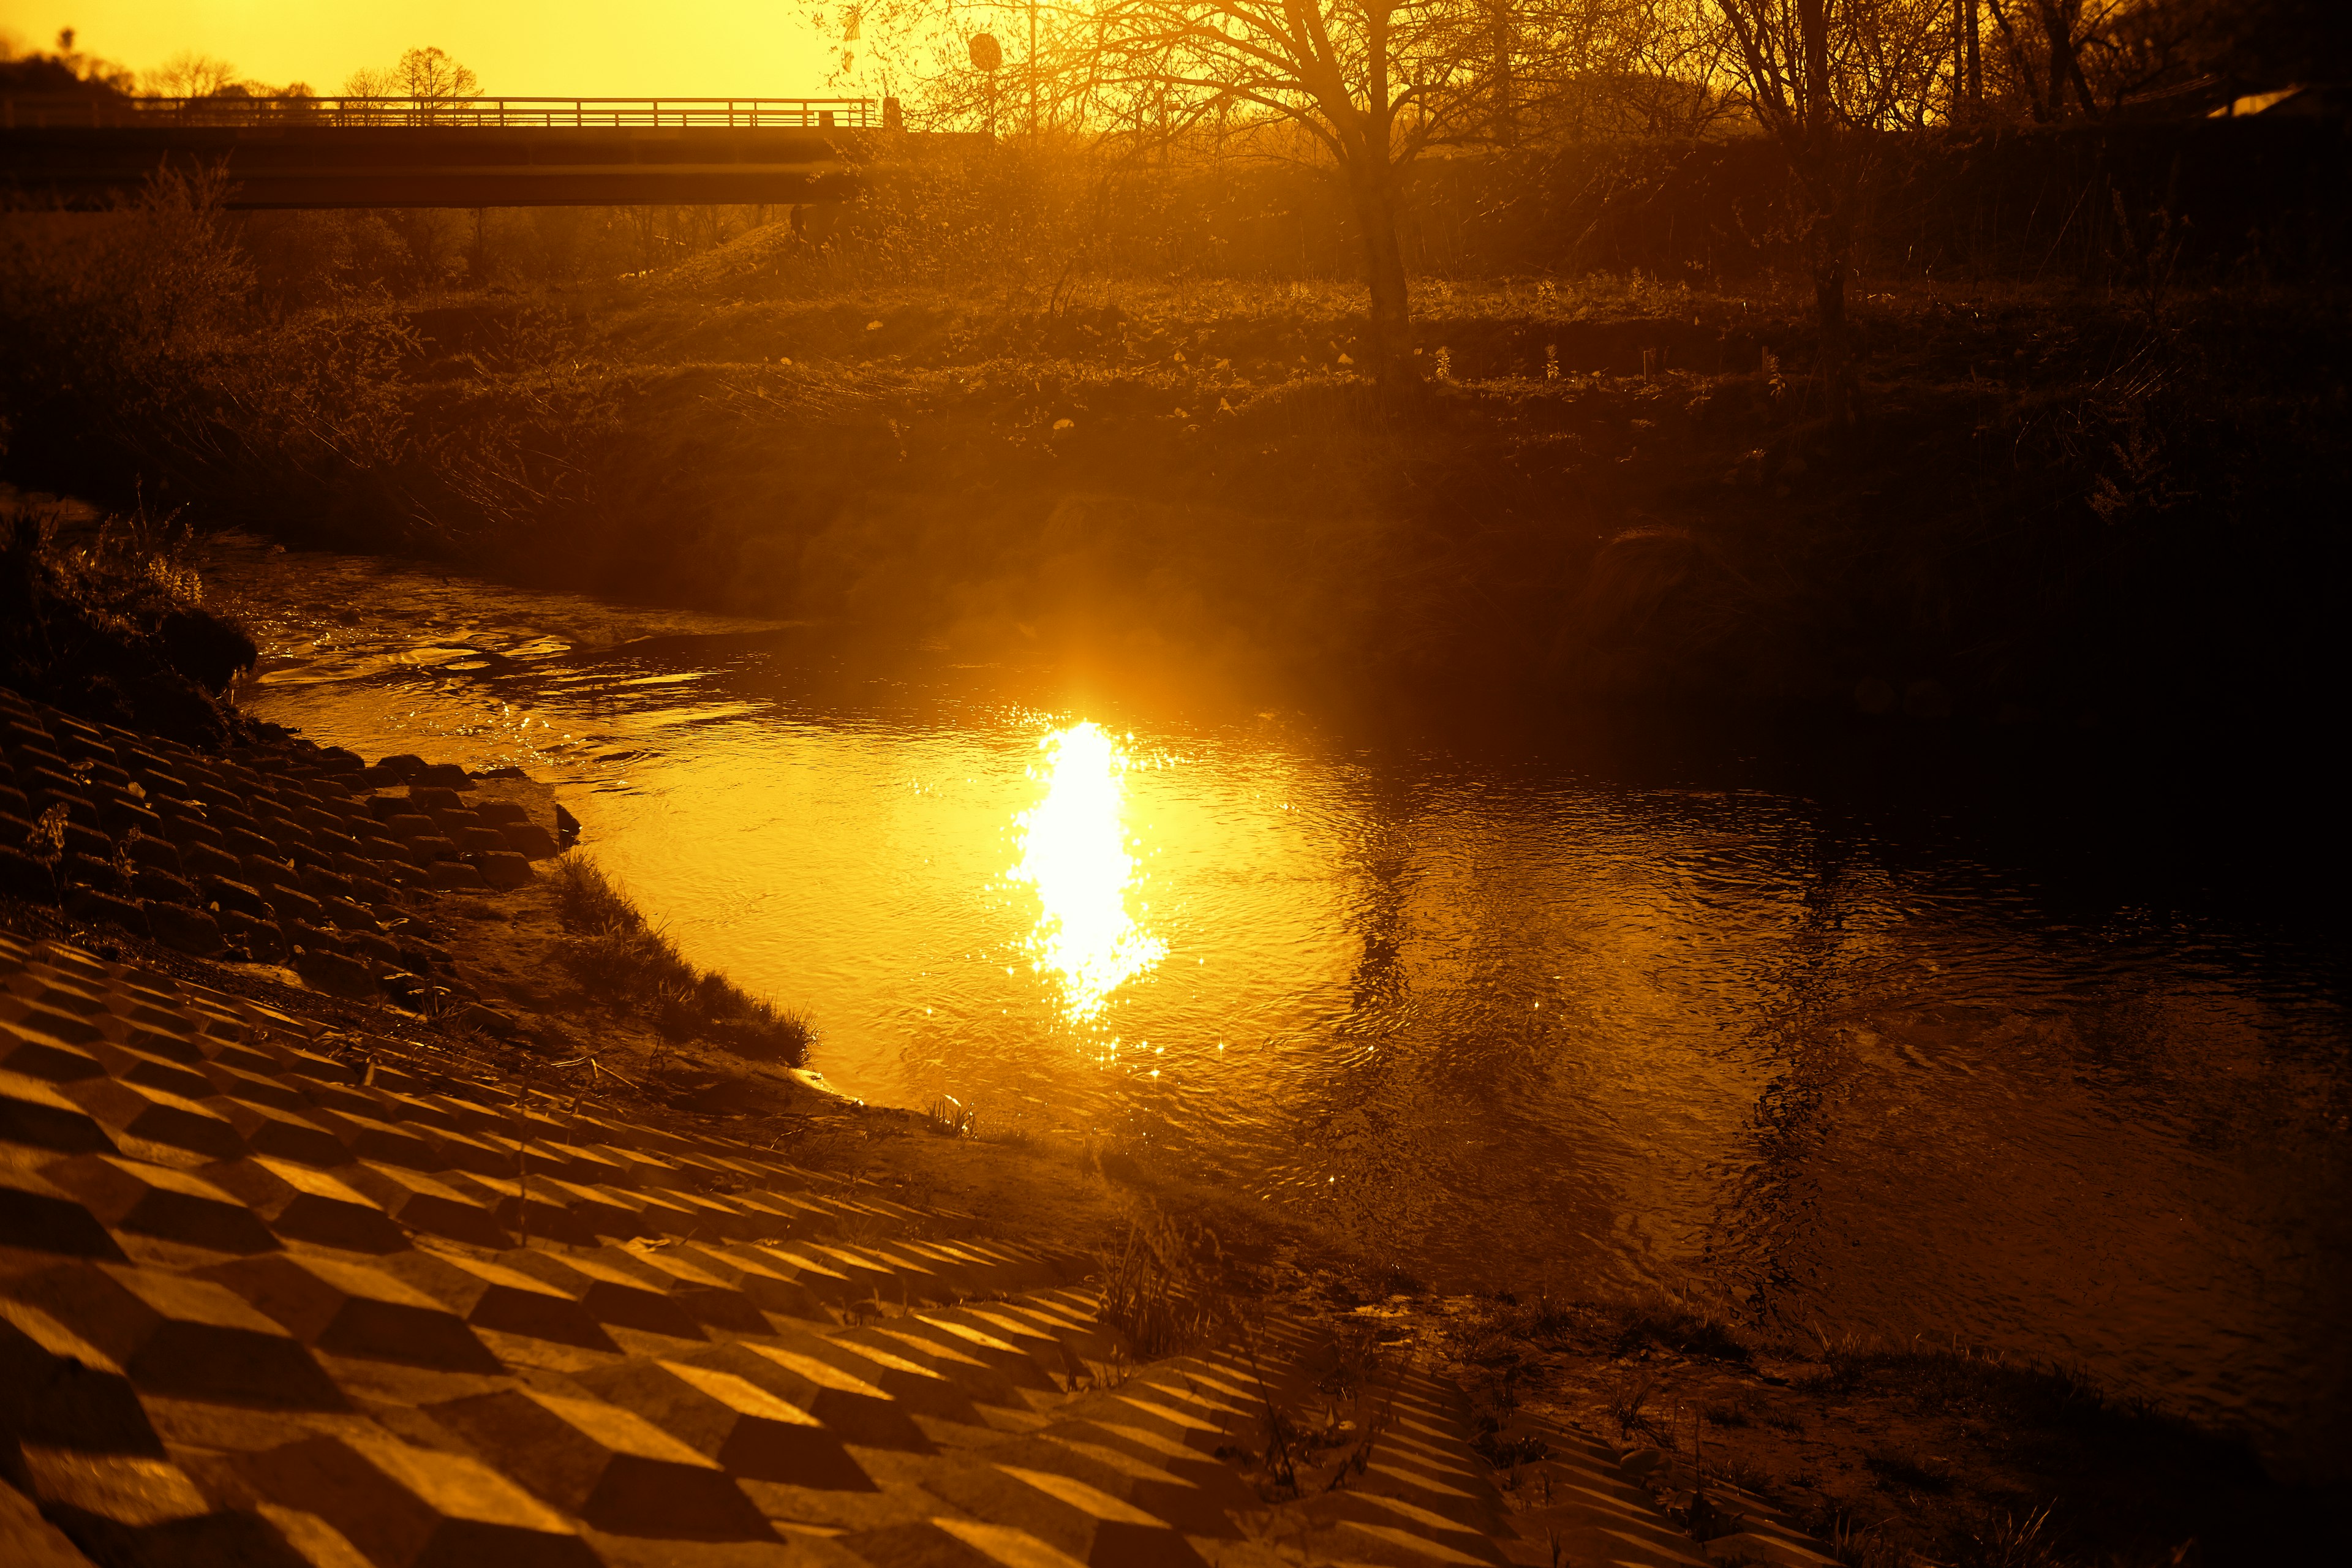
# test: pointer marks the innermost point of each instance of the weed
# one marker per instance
(1628, 1398)
(950, 1118)
(1927, 1474)
(1163, 1287)
(615, 954)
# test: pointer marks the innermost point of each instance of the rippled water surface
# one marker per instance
(1502, 1020)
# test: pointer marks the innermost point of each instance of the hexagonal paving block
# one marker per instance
(352, 1309)
(611, 1468)
(915, 1389)
(748, 1431)
(767, 1284)
(180, 1336)
(306, 1204)
(855, 1410)
(160, 1201)
(406, 1507)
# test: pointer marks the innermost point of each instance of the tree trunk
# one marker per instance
(1374, 189)
(1835, 360)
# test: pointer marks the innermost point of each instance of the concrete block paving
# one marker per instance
(272, 1295)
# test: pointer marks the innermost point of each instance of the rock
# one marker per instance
(487, 1020)
(155, 854)
(229, 897)
(404, 765)
(188, 929)
(530, 840)
(259, 937)
(481, 841)
(335, 974)
(456, 875)
(23, 877)
(90, 904)
(448, 775)
(566, 825)
(432, 798)
(162, 887)
(502, 868)
(75, 870)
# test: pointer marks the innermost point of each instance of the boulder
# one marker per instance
(189, 931)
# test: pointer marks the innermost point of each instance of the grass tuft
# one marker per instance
(615, 953)
(1163, 1287)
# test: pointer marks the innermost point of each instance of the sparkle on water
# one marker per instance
(1075, 852)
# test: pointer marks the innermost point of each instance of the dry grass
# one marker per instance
(1163, 1285)
(620, 958)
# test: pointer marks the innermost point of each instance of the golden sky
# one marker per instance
(553, 48)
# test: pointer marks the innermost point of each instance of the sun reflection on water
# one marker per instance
(1075, 852)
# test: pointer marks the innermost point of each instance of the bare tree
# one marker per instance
(1817, 71)
(1371, 82)
(191, 75)
(430, 76)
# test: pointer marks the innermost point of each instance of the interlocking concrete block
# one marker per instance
(710, 1299)
(948, 1542)
(155, 1116)
(190, 930)
(1773, 1550)
(282, 1134)
(493, 1298)
(915, 1389)
(147, 1070)
(984, 1384)
(611, 1468)
(498, 866)
(334, 973)
(802, 1267)
(406, 1507)
(769, 1286)
(305, 1204)
(1180, 1503)
(745, 1430)
(160, 1201)
(36, 1215)
(1066, 1513)
(138, 1510)
(853, 1410)
(528, 1207)
(32, 1112)
(175, 1335)
(1390, 1530)
(36, 1055)
(612, 1295)
(972, 1343)
(57, 1388)
(376, 1140)
(28, 1541)
(423, 1202)
(449, 874)
(348, 1308)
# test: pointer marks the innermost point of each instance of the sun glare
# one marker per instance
(1075, 852)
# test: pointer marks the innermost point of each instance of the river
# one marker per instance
(1502, 1021)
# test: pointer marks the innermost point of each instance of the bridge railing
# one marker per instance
(36, 110)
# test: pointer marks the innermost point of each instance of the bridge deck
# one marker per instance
(398, 153)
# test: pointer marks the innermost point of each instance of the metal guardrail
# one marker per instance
(32, 111)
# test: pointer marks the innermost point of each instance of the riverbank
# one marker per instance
(2076, 519)
(1879, 1455)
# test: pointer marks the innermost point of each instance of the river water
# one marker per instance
(1502, 1022)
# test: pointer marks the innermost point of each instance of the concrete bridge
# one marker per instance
(92, 152)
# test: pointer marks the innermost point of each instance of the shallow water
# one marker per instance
(1503, 1022)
